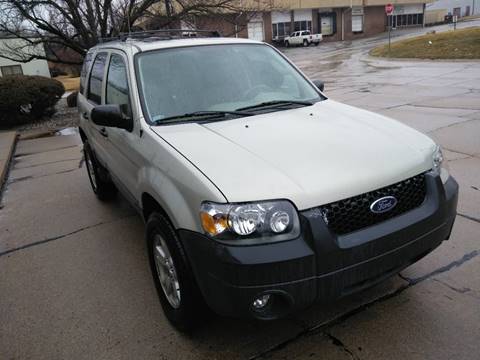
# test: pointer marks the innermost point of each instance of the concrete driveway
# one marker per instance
(74, 280)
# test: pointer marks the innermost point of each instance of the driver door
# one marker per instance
(124, 145)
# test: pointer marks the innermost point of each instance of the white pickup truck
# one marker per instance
(302, 38)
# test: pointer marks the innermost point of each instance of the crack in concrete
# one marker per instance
(452, 125)
(467, 257)
(45, 163)
(337, 342)
(469, 217)
(320, 328)
(24, 178)
(44, 241)
(463, 290)
(459, 152)
(46, 151)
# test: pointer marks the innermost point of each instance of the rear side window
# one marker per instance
(83, 75)
(96, 79)
(117, 83)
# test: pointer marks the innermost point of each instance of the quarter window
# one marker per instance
(117, 83)
(96, 79)
(83, 74)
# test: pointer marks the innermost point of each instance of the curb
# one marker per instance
(5, 163)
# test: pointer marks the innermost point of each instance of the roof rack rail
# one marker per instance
(163, 34)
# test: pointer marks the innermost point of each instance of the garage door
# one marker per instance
(255, 30)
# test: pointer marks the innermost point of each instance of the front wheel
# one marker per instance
(177, 289)
(287, 43)
(102, 187)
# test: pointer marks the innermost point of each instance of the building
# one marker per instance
(335, 19)
(9, 67)
(458, 8)
(339, 19)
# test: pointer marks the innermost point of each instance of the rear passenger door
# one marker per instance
(93, 97)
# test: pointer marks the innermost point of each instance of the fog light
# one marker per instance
(260, 302)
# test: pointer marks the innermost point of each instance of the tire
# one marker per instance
(317, 43)
(305, 43)
(287, 43)
(179, 295)
(101, 185)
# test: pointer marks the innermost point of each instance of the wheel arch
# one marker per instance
(83, 136)
(150, 205)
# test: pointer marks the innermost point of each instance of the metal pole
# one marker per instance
(389, 33)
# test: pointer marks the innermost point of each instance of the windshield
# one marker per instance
(186, 80)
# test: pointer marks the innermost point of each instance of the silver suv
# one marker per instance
(260, 195)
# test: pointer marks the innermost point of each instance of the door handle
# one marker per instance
(103, 132)
(85, 115)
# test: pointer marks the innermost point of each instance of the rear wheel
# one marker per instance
(316, 43)
(305, 43)
(101, 185)
(287, 43)
(177, 289)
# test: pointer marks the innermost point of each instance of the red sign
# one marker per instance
(389, 9)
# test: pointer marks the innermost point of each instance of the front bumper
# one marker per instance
(318, 265)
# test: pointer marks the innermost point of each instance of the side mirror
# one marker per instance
(319, 84)
(111, 116)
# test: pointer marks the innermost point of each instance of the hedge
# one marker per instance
(27, 98)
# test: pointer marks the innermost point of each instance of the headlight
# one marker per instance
(250, 222)
(440, 165)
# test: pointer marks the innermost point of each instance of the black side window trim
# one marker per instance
(107, 75)
(103, 53)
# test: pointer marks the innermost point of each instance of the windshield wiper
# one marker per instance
(200, 115)
(276, 103)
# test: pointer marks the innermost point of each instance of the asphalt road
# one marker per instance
(74, 280)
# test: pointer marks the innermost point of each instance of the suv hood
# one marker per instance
(312, 155)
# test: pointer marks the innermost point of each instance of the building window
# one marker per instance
(280, 30)
(357, 23)
(397, 21)
(11, 70)
(303, 25)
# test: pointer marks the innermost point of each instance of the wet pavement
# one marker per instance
(74, 280)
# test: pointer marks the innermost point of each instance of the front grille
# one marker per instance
(354, 213)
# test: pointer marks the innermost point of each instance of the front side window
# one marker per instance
(11, 70)
(216, 78)
(117, 83)
(96, 79)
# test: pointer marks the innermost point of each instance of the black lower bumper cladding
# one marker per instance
(319, 265)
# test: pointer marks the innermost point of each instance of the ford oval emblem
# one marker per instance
(383, 204)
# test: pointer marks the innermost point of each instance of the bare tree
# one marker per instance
(68, 28)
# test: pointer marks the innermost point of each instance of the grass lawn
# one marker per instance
(458, 44)
(70, 83)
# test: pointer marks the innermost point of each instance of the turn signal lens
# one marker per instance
(213, 223)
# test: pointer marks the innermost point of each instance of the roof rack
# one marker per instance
(164, 34)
